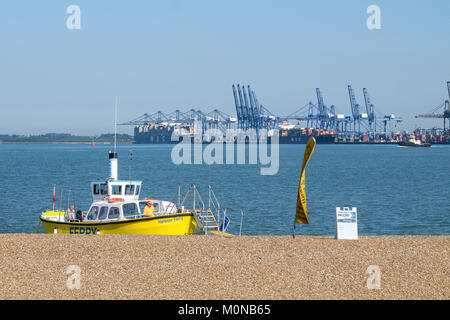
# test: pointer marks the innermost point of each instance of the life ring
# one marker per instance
(115, 200)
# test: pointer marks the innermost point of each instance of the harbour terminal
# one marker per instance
(364, 125)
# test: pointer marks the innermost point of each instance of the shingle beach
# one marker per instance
(34, 266)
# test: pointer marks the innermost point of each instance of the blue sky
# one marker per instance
(173, 54)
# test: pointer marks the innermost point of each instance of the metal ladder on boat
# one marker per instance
(206, 221)
(211, 218)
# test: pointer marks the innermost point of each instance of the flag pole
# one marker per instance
(54, 195)
(293, 234)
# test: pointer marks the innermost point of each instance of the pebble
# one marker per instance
(34, 266)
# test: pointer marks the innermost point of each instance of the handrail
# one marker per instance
(213, 200)
(212, 207)
(70, 196)
(224, 218)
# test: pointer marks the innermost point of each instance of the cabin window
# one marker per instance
(92, 215)
(96, 189)
(113, 213)
(138, 188)
(129, 189)
(117, 190)
(103, 188)
(142, 205)
(130, 210)
(102, 214)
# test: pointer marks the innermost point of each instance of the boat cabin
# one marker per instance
(111, 210)
(115, 189)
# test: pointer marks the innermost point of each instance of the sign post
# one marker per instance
(346, 223)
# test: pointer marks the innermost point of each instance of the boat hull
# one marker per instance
(303, 139)
(407, 144)
(173, 224)
(164, 136)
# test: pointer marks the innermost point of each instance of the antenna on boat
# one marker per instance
(113, 155)
(131, 159)
(115, 125)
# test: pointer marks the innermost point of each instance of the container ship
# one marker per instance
(289, 134)
(162, 134)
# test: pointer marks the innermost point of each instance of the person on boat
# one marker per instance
(79, 216)
(70, 213)
(92, 215)
(148, 210)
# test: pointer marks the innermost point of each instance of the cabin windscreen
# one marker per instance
(100, 189)
(113, 213)
(102, 214)
(92, 215)
(129, 189)
(116, 190)
(130, 210)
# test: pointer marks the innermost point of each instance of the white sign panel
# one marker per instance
(346, 223)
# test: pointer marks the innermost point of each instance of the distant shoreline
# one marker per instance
(62, 142)
(65, 138)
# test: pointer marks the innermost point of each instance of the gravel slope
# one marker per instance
(34, 266)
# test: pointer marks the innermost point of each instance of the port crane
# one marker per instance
(386, 120)
(327, 118)
(251, 114)
(316, 116)
(357, 115)
(324, 116)
(445, 115)
(212, 120)
(370, 109)
(319, 116)
(369, 119)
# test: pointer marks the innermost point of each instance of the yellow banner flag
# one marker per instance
(301, 213)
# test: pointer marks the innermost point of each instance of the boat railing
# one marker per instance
(68, 198)
(213, 203)
(210, 217)
(226, 220)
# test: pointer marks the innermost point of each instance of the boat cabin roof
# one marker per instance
(125, 190)
(116, 181)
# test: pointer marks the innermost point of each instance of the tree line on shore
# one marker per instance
(65, 137)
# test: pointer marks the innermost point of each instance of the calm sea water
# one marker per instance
(398, 191)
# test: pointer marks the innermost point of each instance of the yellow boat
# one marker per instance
(117, 209)
(170, 224)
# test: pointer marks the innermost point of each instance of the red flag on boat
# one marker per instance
(54, 194)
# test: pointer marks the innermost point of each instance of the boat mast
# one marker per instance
(115, 125)
(113, 155)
